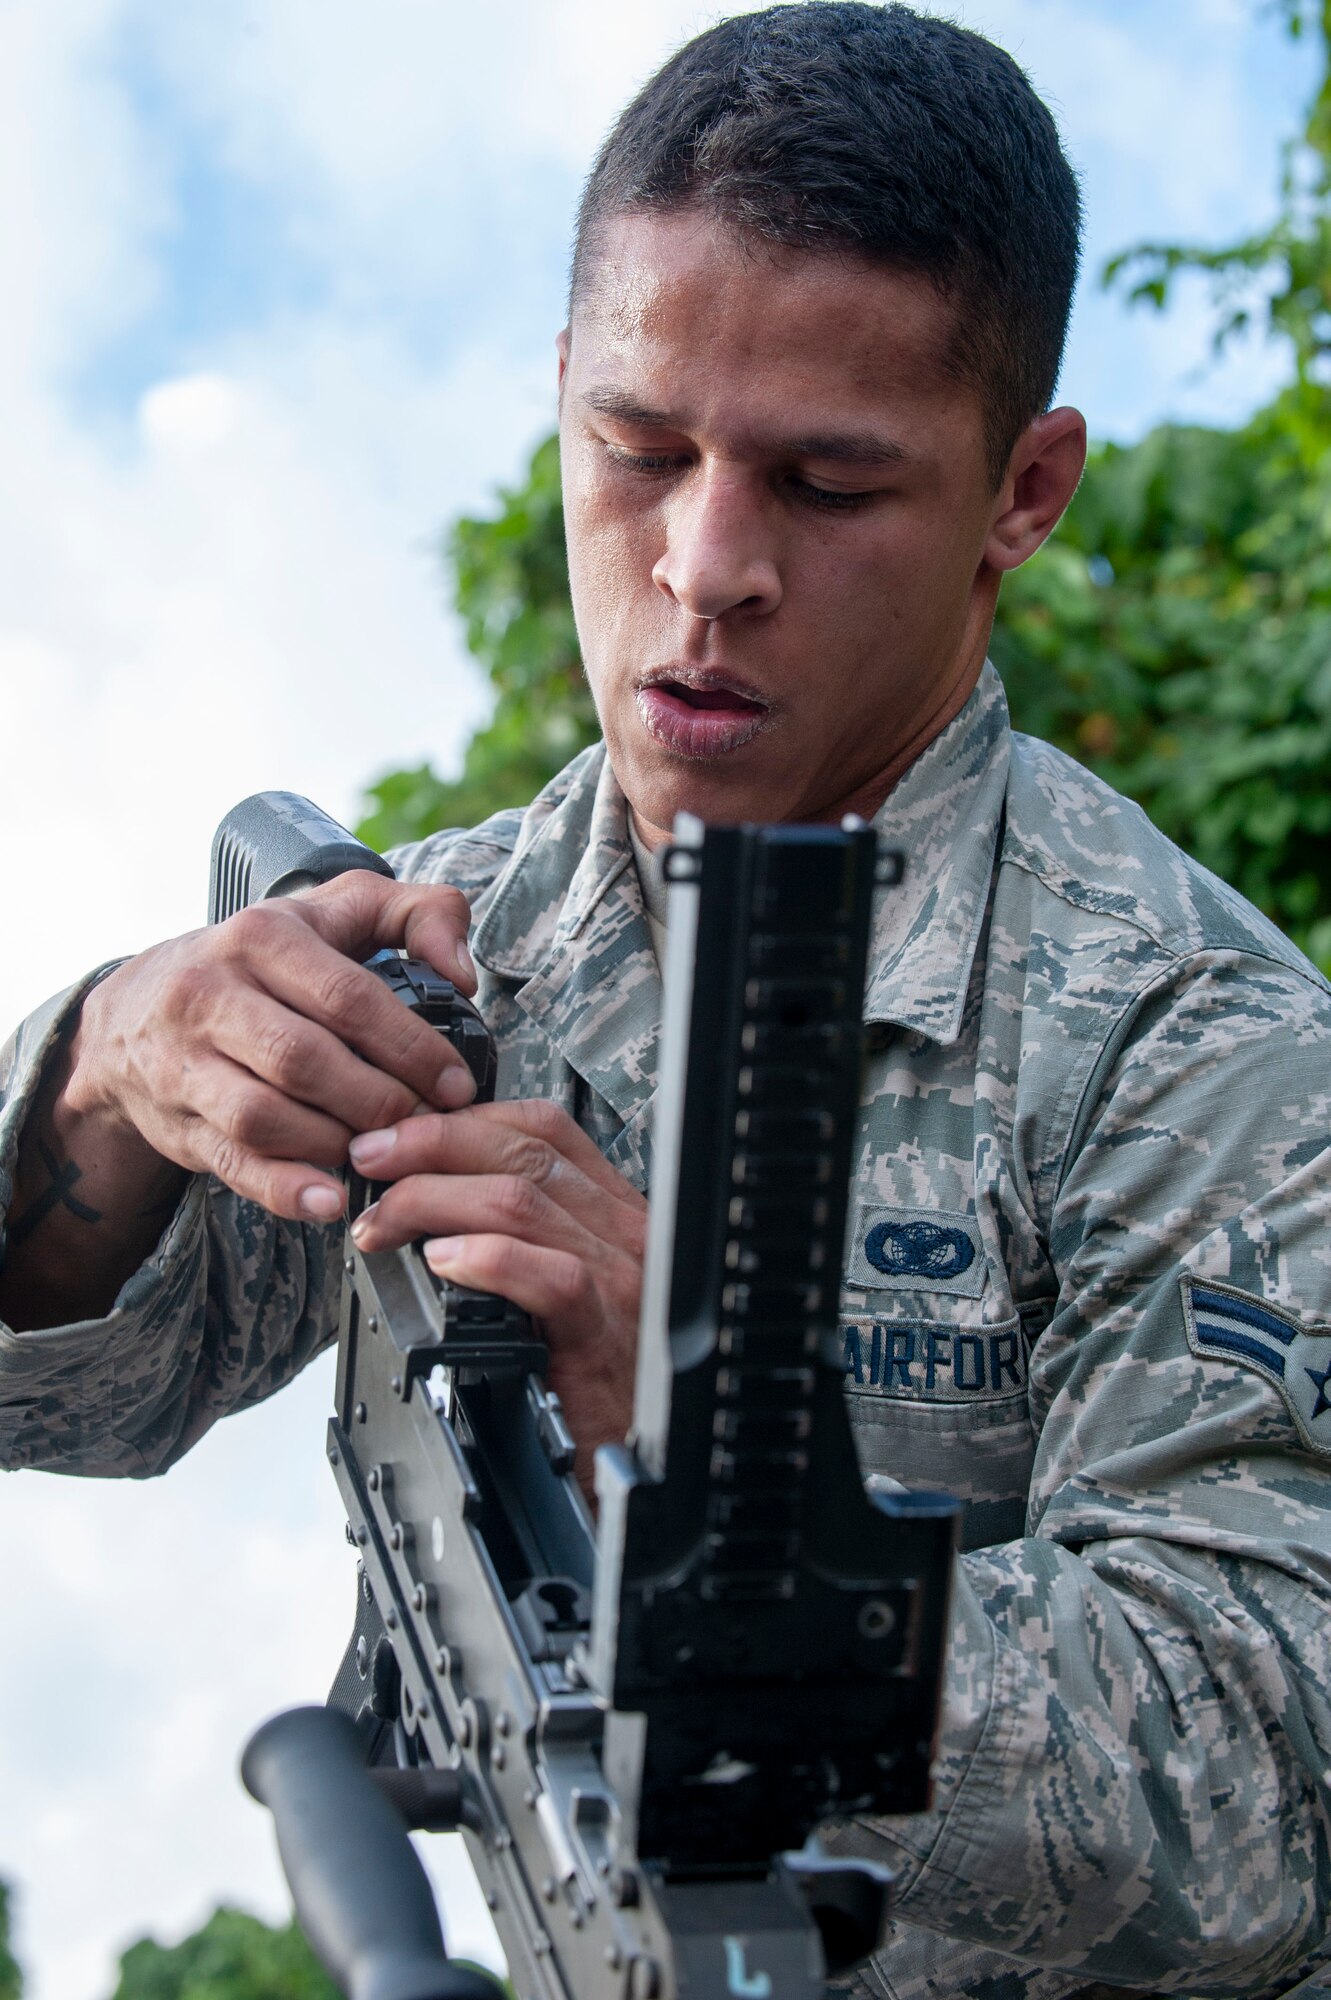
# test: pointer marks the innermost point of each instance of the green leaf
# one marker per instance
(11, 1979)
(233, 1957)
(510, 579)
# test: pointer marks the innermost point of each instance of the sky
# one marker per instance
(280, 284)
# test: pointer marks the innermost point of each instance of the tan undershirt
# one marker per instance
(654, 892)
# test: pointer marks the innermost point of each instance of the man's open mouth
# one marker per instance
(700, 716)
(712, 697)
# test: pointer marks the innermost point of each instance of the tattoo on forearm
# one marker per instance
(58, 1195)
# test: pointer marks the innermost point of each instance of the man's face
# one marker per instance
(777, 509)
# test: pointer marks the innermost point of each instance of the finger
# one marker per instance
(552, 1285)
(285, 956)
(448, 1204)
(454, 1143)
(288, 1188)
(306, 1063)
(537, 1119)
(359, 913)
(529, 1138)
(230, 1101)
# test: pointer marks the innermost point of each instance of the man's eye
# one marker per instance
(643, 461)
(827, 498)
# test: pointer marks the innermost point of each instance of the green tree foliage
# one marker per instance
(11, 1979)
(1176, 637)
(511, 589)
(1175, 633)
(233, 1957)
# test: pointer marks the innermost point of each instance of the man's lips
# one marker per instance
(700, 715)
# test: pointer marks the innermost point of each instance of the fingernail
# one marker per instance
(456, 1086)
(466, 961)
(441, 1252)
(370, 1147)
(358, 1227)
(320, 1202)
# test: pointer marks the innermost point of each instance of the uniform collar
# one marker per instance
(573, 848)
(567, 920)
(568, 923)
(945, 814)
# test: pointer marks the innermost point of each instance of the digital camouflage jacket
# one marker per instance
(1087, 1287)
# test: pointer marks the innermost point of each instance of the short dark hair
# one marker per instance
(895, 135)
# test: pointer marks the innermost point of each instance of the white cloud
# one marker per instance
(414, 103)
(244, 594)
(191, 414)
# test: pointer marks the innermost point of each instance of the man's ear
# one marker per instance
(1046, 463)
(561, 349)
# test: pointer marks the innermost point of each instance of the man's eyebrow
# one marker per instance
(838, 447)
(850, 447)
(618, 403)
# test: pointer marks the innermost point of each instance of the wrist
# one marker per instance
(84, 1081)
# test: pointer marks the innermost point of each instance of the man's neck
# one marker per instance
(869, 798)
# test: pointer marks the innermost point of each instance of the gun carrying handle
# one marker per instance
(360, 1892)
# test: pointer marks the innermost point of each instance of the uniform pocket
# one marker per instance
(943, 1404)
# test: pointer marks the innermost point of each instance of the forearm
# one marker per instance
(229, 1304)
(90, 1201)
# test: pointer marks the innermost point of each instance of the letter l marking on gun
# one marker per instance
(745, 1985)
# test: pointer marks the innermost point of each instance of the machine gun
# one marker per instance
(637, 1723)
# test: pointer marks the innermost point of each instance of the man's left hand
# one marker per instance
(514, 1198)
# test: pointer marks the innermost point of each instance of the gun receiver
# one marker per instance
(638, 1725)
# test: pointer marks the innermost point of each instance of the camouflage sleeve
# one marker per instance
(1137, 1732)
(232, 1303)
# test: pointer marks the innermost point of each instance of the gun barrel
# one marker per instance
(359, 1889)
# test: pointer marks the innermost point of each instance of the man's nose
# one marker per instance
(719, 553)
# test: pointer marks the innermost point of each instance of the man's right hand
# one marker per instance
(253, 1051)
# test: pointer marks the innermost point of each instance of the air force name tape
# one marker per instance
(1225, 1324)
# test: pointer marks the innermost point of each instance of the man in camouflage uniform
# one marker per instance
(1088, 1276)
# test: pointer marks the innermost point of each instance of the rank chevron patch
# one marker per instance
(1225, 1324)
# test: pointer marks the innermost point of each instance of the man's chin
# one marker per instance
(721, 791)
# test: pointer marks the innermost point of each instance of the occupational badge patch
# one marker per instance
(1229, 1325)
(916, 1250)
